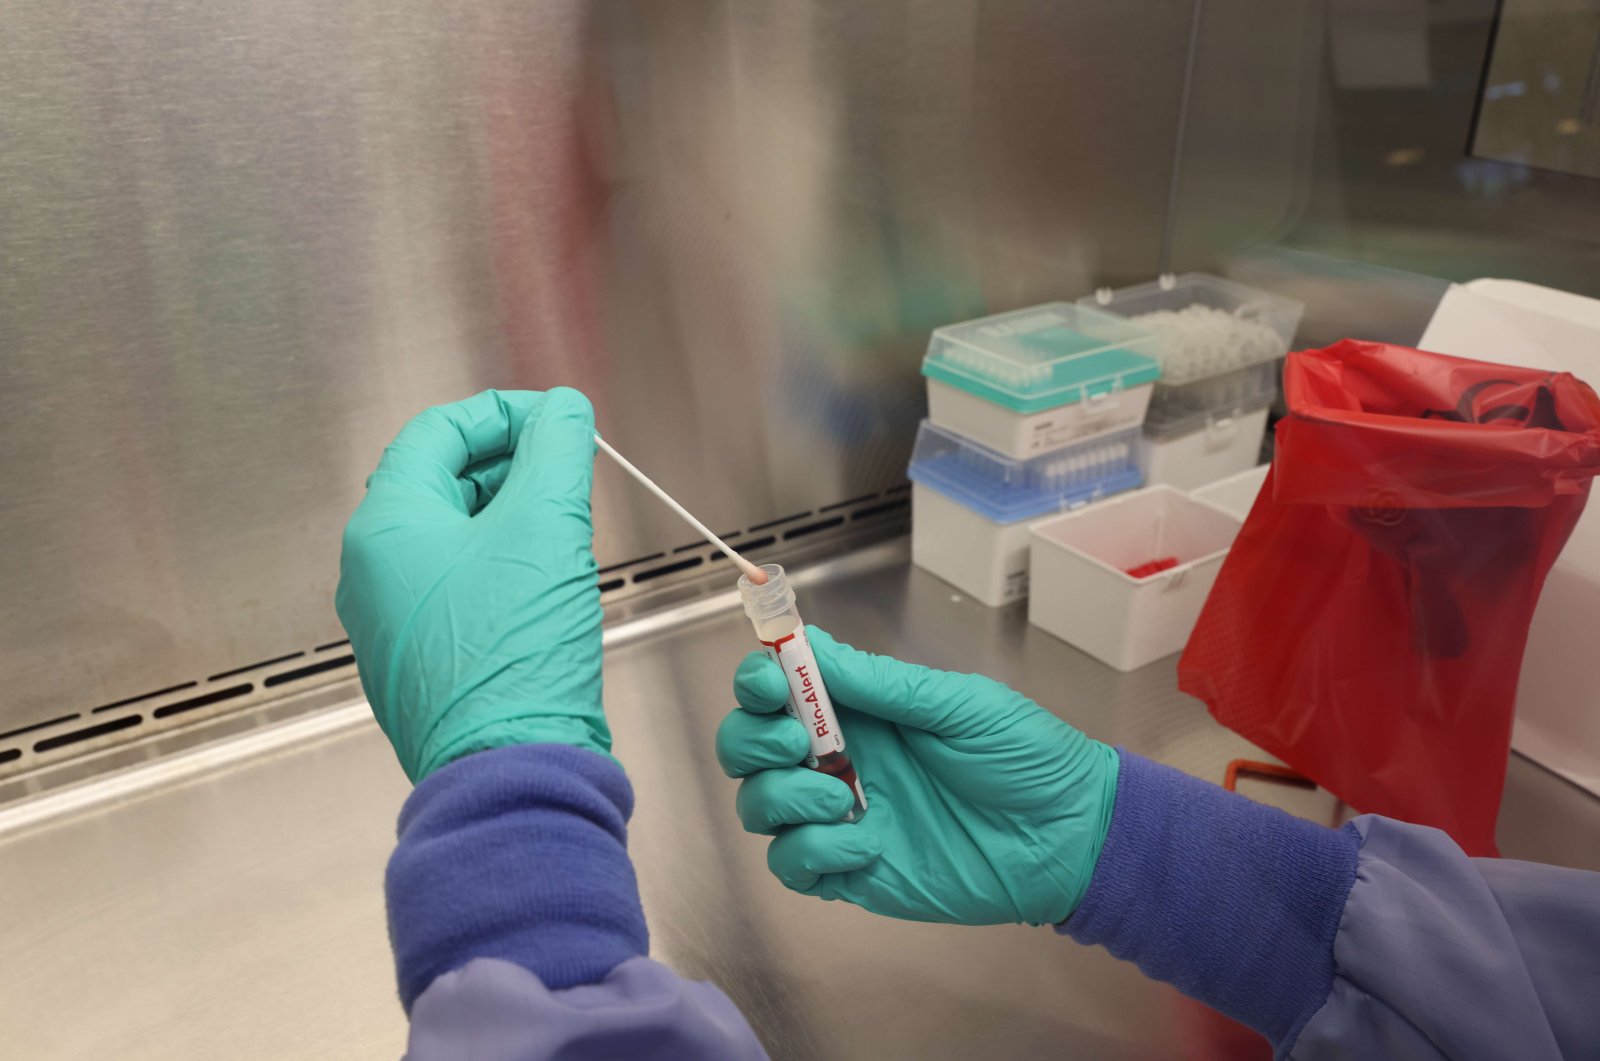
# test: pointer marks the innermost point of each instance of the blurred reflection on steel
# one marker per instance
(241, 243)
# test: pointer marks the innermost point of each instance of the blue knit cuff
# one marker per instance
(1232, 902)
(516, 853)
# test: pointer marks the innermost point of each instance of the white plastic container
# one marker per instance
(1040, 379)
(987, 561)
(1221, 446)
(1205, 328)
(971, 507)
(1221, 346)
(1558, 697)
(1083, 594)
(1235, 495)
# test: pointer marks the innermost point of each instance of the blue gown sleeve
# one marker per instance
(1379, 939)
(516, 926)
(1441, 955)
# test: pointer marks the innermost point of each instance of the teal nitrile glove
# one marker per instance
(468, 585)
(982, 807)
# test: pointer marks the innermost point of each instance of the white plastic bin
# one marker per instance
(1235, 495)
(1221, 446)
(971, 507)
(1083, 594)
(1039, 379)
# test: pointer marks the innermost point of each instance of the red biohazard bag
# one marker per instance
(1368, 625)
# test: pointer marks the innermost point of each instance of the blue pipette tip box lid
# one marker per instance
(1030, 360)
(1005, 490)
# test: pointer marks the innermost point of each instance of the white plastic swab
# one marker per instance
(751, 571)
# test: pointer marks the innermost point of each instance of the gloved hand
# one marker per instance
(982, 807)
(468, 585)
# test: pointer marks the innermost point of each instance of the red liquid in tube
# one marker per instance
(783, 636)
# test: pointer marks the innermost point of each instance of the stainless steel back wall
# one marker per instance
(241, 243)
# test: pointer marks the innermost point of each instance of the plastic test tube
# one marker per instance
(781, 633)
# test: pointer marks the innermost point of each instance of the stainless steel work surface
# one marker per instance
(228, 903)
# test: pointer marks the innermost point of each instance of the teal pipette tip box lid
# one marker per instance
(1043, 357)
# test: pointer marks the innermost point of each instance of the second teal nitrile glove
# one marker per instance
(468, 585)
(983, 808)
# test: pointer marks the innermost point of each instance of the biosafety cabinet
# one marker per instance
(243, 243)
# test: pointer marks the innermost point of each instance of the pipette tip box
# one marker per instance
(1221, 346)
(1084, 594)
(971, 506)
(1036, 380)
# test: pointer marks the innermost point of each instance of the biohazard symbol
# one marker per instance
(1380, 506)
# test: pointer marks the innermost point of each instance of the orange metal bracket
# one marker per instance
(1267, 771)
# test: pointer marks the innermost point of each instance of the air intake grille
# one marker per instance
(57, 739)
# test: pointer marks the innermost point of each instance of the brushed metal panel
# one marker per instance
(1251, 127)
(241, 243)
